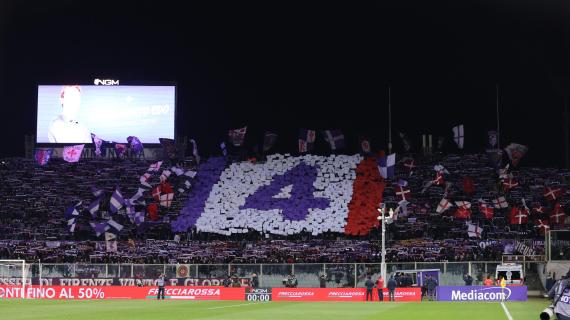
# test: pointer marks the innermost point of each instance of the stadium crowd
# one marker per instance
(34, 199)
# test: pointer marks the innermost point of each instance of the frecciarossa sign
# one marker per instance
(196, 293)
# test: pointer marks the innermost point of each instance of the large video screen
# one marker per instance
(69, 114)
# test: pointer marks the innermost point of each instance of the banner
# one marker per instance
(116, 292)
(341, 294)
(481, 293)
(97, 282)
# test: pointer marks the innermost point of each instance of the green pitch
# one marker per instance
(172, 310)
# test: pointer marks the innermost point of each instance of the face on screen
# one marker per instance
(69, 114)
(70, 101)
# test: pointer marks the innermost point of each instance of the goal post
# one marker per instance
(14, 273)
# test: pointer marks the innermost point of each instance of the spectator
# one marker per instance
(392, 288)
(369, 284)
(468, 279)
(254, 280)
(431, 287)
(322, 281)
(380, 288)
(488, 281)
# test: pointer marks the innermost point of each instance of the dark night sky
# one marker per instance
(286, 65)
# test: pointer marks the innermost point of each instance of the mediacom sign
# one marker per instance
(481, 293)
(120, 292)
(340, 294)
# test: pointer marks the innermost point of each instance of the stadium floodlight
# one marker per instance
(385, 220)
(15, 271)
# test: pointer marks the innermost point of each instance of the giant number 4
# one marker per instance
(295, 207)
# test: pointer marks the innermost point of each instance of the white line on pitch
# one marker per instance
(238, 305)
(506, 311)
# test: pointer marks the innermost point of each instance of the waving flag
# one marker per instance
(443, 205)
(195, 150)
(166, 194)
(306, 140)
(518, 215)
(473, 231)
(135, 145)
(164, 175)
(71, 211)
(237, 136)
(553, 193)
(72, 153)
(144, 180)
(94, 207)
(139, 218)
(335, 138)
(154, 166)
(557, 216)
(463, 213)
(407, 145)
(99, 227)
(115, 225)
(515, 152)
(510, 183)
(71, 223)
(120, 149)
(409, 165)
(386, 165)
(500, 203)
(404, 193)
(99, 144)
(117, 201)
(269, 141)
(458, 136)
(542, 226)
(538, 209)
(96, 192)
(43, 155)
(111, 242)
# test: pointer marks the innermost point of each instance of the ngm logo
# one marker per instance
(106, 82)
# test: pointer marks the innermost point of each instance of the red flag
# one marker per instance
(510, 184)
(439, 179)
(542, 226)
(468, 185)
(553, 193)
(409, 164)
(538, 209)
(156, 193)
(557, 216)
(405, 194)
(518, 216)
(487, 211)
(463, 213)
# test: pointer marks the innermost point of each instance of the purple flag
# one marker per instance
(94, 207)
(99, 227)
(43, 156)
(136, 144)
(72, 153)
(120, 149)
(117, 201)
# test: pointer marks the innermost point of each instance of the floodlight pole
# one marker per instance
(389, 120)
(383, 254)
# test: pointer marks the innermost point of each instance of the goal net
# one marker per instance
(14, 273)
